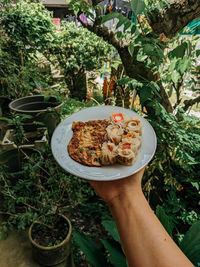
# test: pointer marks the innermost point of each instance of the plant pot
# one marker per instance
(35, 139)
(42, 111)
(3, 128)
(52, 255)
(13, 159)
(4, 105)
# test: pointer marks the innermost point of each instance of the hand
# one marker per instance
(108, 190)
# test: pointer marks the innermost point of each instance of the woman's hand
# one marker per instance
(108, 190)
(144, 239)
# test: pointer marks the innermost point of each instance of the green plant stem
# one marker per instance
(34, 162)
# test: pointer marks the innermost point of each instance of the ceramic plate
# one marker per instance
(63, 134)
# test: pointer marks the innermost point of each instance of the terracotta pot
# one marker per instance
(51, 256)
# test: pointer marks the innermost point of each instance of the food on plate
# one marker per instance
(108, 154)
(134, 125)
(117, 117)
(114, 133)
(134, 138)
(86, 142)
(105, 142)
(125, 156)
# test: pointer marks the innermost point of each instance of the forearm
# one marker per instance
(145, 241)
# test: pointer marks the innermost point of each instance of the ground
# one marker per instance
(15, 251)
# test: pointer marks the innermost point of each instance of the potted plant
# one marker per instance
(50, 240)
(4, 105)
(42, 109)
(23, 134)
(12, 161)
(4, 110)
(38, 200)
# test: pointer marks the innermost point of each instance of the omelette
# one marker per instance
(86, 142)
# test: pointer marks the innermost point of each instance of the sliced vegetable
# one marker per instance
(118, 117)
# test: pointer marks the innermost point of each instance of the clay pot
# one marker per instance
(53, 255)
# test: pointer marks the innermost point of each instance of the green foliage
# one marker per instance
(159, 4)
(95, 255)
(78, 54)
(72, 105)
(179, 51)
(172, 178)
(137, 6)
(90, 249)
(82, 6)
(33, 195)
(75, 57)
(180, 63)
(116, 256)
(5, 3)
(112, 15)
(16, 122)
(190, 244)
(17, 80)
(28, 23)
(164, 219)
(111, 228)
(26, 29)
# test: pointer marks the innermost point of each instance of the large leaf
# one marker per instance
(179, 51)
(116, 255)
(145, 94)
(164, 219)
(190, 244)
(131, 48)
(175, 76)
(111, 227)
(184, 64)
(198, 52)
(90, 249)
(127, 24)
(110, 16)
(137, 6)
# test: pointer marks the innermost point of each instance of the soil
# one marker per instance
(50, 234)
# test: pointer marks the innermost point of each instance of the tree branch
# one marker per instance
(178, 92)
(96, 2)
(191, 102)
(133, 68)
(174, 17)
(102, 31)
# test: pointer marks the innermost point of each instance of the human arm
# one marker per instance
(144, 239)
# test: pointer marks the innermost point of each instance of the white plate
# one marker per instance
(63, 134)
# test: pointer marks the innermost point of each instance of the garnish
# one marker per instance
(118, 117)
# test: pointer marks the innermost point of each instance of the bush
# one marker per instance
(75, 52)
(26, 29)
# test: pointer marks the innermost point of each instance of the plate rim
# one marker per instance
(71, 171)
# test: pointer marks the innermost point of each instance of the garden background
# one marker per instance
(143, 60)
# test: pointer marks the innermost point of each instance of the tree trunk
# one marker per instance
(79, 90)
(170, 20)
(137, 70)
(174, 17)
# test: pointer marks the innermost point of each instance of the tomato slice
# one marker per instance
(118, 117)
(110, 148)
(126, 146)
